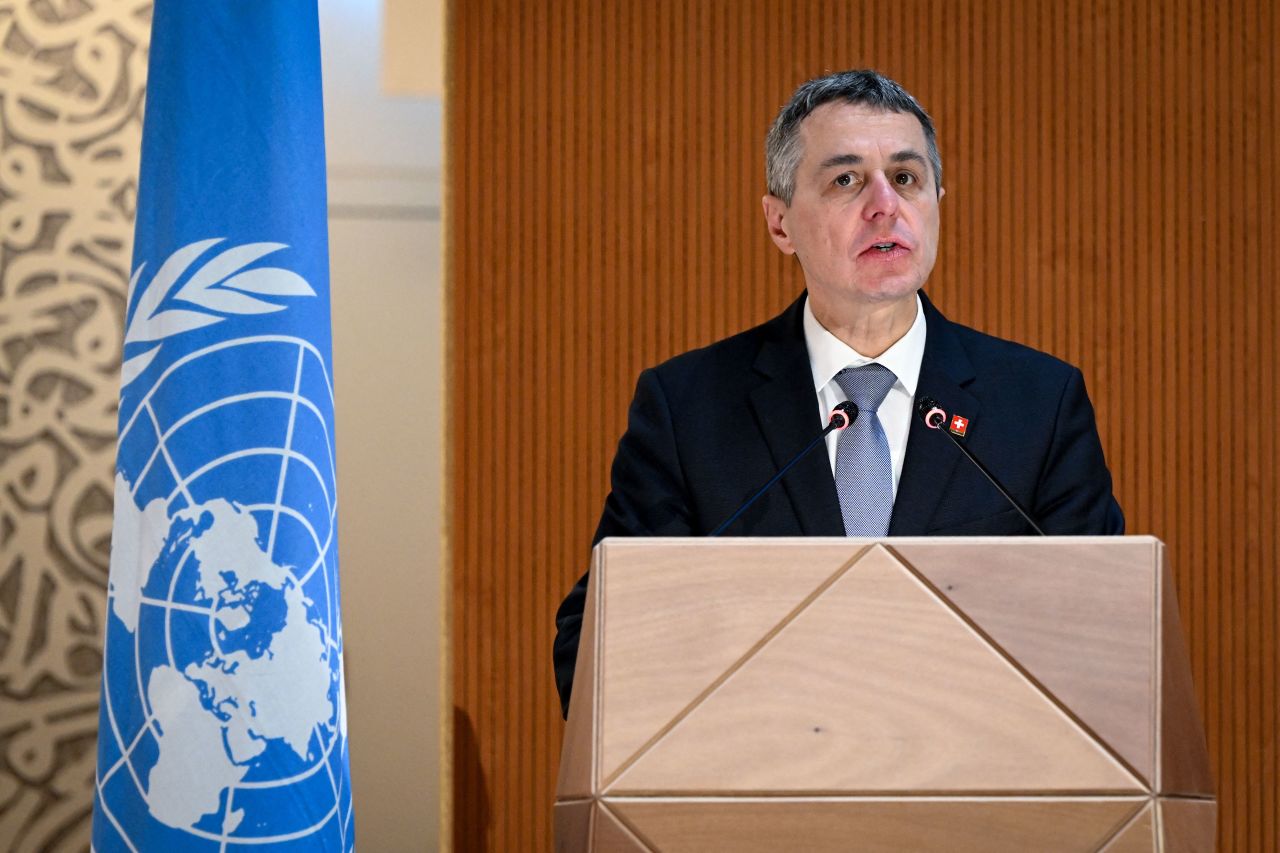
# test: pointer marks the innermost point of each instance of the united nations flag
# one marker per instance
(223, 725)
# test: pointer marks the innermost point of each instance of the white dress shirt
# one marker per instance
(828, 355)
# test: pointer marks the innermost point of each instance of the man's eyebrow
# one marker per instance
(840, 160)
(908, 155)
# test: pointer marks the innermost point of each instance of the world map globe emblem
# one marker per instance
(223, 694)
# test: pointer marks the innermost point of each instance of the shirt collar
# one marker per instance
(828, 355)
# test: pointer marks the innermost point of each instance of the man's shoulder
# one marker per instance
(736, 354)
(987, 350)
(1008, 360)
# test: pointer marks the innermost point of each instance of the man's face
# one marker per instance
(863, 219)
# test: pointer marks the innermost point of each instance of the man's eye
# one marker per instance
(904, 179)
(845, 180)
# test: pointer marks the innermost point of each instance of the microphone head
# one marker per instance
(844, 415)
(932, 413)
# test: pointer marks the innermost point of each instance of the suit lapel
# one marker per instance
(931, 460)
(785, 407)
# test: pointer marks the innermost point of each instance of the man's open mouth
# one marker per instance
(885, 247)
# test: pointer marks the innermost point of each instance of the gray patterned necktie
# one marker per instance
(864, 469)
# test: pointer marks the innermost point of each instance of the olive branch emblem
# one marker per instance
(218, 289)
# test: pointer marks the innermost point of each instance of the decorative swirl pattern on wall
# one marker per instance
(71, 86)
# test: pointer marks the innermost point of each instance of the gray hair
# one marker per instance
(860, 88)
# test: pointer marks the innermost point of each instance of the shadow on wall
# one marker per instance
(472, 820)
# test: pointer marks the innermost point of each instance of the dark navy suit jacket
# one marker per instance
(708, 428)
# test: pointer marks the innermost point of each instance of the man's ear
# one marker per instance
(941, 192)
(775, 211)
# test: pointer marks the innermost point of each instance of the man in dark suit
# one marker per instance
(855, 182)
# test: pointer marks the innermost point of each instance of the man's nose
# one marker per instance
(882, 200)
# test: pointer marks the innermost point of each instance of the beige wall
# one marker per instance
(387, 353)
(413, 47)
(384, 239)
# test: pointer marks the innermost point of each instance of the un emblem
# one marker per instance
(223, 694)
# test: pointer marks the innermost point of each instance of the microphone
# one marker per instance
(934, 417)
(842, 416)
(847, 412)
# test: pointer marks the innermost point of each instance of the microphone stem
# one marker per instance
(776, 478)
(983, 468)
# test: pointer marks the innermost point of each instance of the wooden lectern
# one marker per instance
(903, 694)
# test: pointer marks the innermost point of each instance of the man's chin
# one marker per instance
(848, 303)
(867, 293)
(889, 290)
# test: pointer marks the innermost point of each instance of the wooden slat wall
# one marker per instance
(1111, 199)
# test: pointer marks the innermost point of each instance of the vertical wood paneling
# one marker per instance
(1111, 199)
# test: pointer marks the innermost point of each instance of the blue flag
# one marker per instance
(223, 723)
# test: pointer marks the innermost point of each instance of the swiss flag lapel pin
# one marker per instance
(959, 425)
